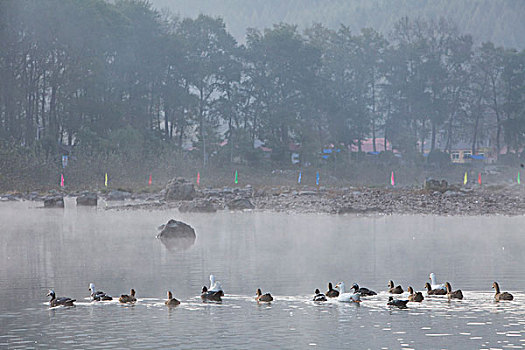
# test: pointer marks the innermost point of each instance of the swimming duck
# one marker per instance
(124, 298)
(394, 290)
(263, 297)
(319, 296)
(431, 291)
(501, 296)
(457, 294)
(171, 300)
(417, 296)
(215, 286)
(434, 284)
(363, 291)
(332, 293)
(208, 295)
(98, 295)
(402, 304)
(64, 301)
(347, 297)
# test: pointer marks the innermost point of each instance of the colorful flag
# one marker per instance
(479, 178)
(198, 178)
(106, 180)
(392, 181)
(519, 182)
(236, 177)
(61, 180)
(465, 179)
(299, 178)
(150, 181)
(317, 179)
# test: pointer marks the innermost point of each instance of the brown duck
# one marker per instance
(263, 297)
(501, 296)
(394, 290)
(431, 291)
(332, 293)
(457, 294)
(128, 299)
(171, 300)
(417, 296)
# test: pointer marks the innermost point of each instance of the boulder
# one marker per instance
(198, 207)
(436, 185)
(54, 202)
(176, 235)
(240, 204)
(118, 195)
(87, 199)
(179, 189)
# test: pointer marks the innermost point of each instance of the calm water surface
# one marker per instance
(287, 255)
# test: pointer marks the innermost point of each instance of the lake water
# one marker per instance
(287, 255)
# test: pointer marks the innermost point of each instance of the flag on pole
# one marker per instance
(392, 181)
(317, 179)
(479, 178)
(61, 180)
(236, 177)
(198, 178)
(106, 180)
(150, 181)
(519, 182)
(465, 179)
(299, 178)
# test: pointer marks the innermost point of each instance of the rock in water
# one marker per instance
(240, 204)
(87, 199)
(176, 235)
(179, 189)
(54, 202)
(198, 207)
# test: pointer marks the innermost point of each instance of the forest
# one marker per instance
(120, 85)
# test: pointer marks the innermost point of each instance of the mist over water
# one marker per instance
(287, 255)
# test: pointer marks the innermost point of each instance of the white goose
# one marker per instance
(347, 297)
(215, 286)
(434, 284)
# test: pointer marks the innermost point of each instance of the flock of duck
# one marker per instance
(215, 293)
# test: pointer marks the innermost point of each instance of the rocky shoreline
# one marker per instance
(437, 198)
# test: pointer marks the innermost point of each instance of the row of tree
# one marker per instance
(103, 76)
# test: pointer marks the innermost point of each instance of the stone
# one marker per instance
(436, 185)
(176, 235)
(87, 199)
(198, 207)
(179, 189)
(240, 204)
(54, 202)
(118, 195)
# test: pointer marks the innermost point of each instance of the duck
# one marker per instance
(64, 301)
(263, 297)
(215, 286)
(434, 284)
(331, 293)
(501, 296)
(402, 304)
(417, 296)
(171, 300)
(457, 294)
(394, 290)
(208, 295)
(347, 297)
(318, 296)
(431, 291)
(98, 295)
(128, 299)
(363, 291)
